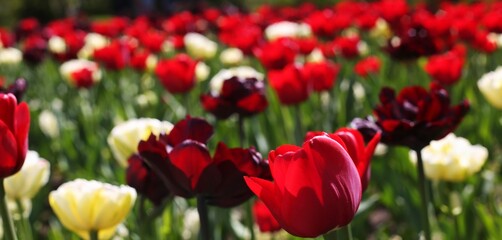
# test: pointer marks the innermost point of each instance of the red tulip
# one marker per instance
(110, 27)
(367, 66)
(445, 68)
(322, 75)
(6, 38)
(316, 187)
(353, 142)
(115, 56)
(265, 220)
(153, 40)
(177, 75)
(290, 84)
(277, 54)
(348, 47)
(14, 128)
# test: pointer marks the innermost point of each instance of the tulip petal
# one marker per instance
(8, 105)
(8, 151)
(196, 129)
(22, 127)
(266, 191)
(192, 158)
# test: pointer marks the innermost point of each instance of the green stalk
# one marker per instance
(298, 125)
(25, 224)
(424, 195)
(249, 218)
(93, 235)
(9, 232)
(205, 232)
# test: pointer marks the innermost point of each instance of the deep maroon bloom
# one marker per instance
(146, 182)
(233, 164)
(243, 96)
(187, 168)
(18, 88)
(34, 49)
(414, 117)
(412, 42)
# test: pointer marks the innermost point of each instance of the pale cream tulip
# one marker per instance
(199, 46)
(451, 159)
(10, 56)
(83, 206)
(125, 137)
(490, 86)
(231, 56)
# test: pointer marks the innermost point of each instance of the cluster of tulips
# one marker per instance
(296, 84)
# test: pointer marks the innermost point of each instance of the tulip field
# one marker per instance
(378, 120)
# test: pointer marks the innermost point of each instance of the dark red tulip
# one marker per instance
(414, 117)
(412, 42)
(322, 75)
(14, 128)
(483, 43)
(145, 180)
(353, 142)
(242, 96)
(316, 187)
(277, 54)
(187, 169)
(18, 88)
(290, 84)
(367, 66)
(264, 218)
(183, 158)
(34, 49)
(233, 164)
(27, 27)
(177, 74)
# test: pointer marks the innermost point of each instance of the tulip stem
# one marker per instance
(249, 216)
(298, 125)
(204, 233)
(93, 235)
(9, 232)
(424, 195)
(242, 133)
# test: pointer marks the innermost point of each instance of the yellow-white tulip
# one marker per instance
(451, 159)
(231, 56)
(199, 46)
(26, 183)
(490, 86)
(83, 206)
(124, 138)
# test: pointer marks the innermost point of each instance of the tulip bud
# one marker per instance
(315, 56)
(202, 71)
(124, 138)
(48, 123)
(80, 72)
(26, 183)
(10, 56)
(287, 29)
(216, 82)
(57, 45)
(490, 86)
(199, 46)
(83, 206)
(451, 158)
(231, 56)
